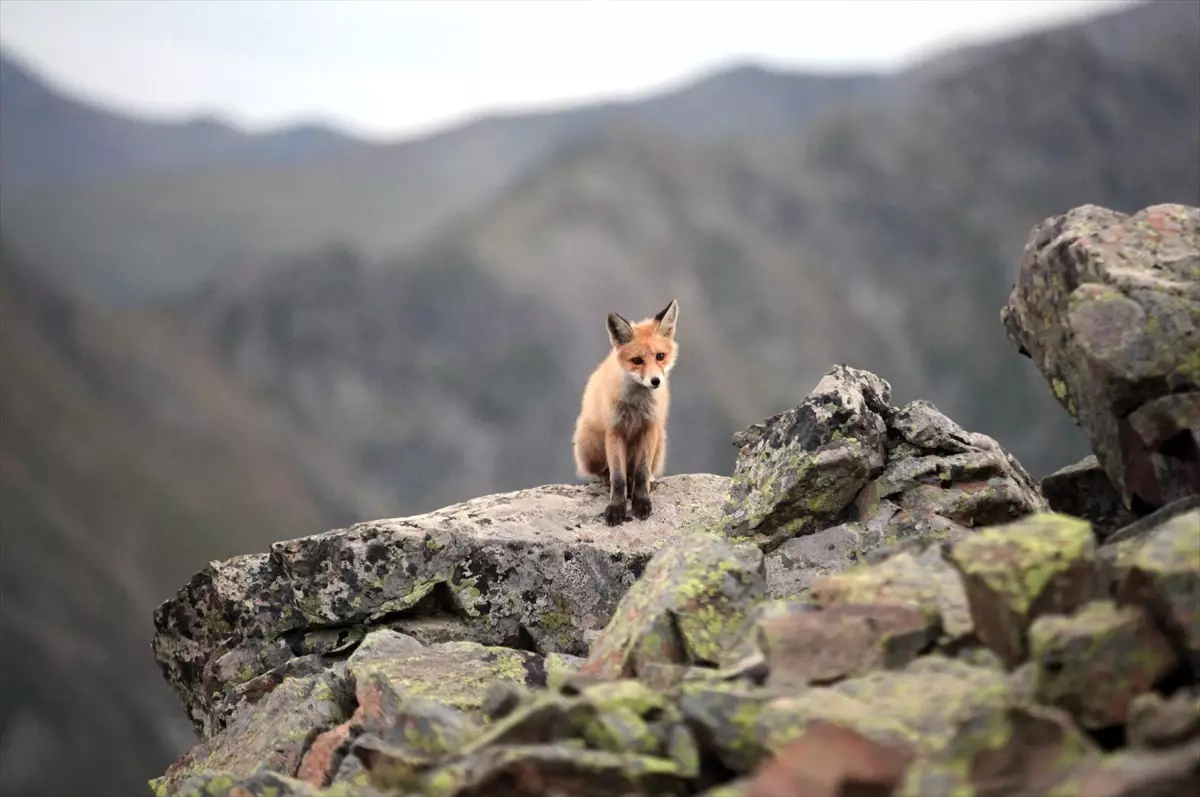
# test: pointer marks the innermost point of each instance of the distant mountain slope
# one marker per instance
(149, 235)
(885, 237)
(49, 138)
(128, 460)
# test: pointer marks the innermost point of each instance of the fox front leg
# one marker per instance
(614, 513)
(639, 476)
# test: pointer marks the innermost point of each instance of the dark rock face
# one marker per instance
(1108, 308)
(1084, 490)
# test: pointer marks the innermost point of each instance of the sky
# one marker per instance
(392, 68)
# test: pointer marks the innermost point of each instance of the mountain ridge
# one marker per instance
(51, 137)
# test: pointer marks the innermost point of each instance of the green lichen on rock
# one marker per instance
(273, 736)
(689, 604)
(461, 573)
(267, 784)
(725, 718)
(1002, 750)
(560, 769)
(559, 666)
(1097, 660)
(1161, 572)
(809, 463)
(1015, 573)
(456, 674)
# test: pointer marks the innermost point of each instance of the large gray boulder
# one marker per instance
(1108, 308)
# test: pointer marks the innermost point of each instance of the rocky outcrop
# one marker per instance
(537, 571)
(878, 601)
(1108, 307)
(534, 570)
(701, 685)
(821, 486)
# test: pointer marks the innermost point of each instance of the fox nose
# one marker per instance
(654, 381)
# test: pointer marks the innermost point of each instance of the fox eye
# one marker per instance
(637, 360)
(659, 356)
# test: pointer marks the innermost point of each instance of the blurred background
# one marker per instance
(273, 268)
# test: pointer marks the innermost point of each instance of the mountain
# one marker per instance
(128, 459)
(886, 235)
(52, 139)
(148, 235)
(391, 328)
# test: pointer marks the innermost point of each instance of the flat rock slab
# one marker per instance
(533, 569)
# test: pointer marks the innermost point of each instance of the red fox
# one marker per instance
(621, 433)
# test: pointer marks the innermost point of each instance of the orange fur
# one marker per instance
(621, 433)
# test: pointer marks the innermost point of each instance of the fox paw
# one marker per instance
(641, 507)
(614, 514)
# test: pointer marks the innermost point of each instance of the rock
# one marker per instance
(1083, 490)
(1095, 662)
(941, 481)
(799, 645)
(1148, 523)
(1003, 751)
(456, 674)
(535, 770)
(822, 485)
(688, 606)
(883, 627)
(803, 467)
(529, 569)
(260, 784)
(1015, 573)
(874, 681)
(1160, 571)
(1107, 306)
(792, 568)
(272, 733)
(1138, 773)
(925, 582)
(1156, 722)
(830, 761)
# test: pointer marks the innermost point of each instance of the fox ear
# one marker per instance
(619, 330)
(667, 319)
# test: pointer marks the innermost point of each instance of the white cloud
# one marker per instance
(389, 68)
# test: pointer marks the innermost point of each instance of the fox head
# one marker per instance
(646, 350)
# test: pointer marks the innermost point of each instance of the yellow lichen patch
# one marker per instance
(1013, 573)
(1161, 572)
